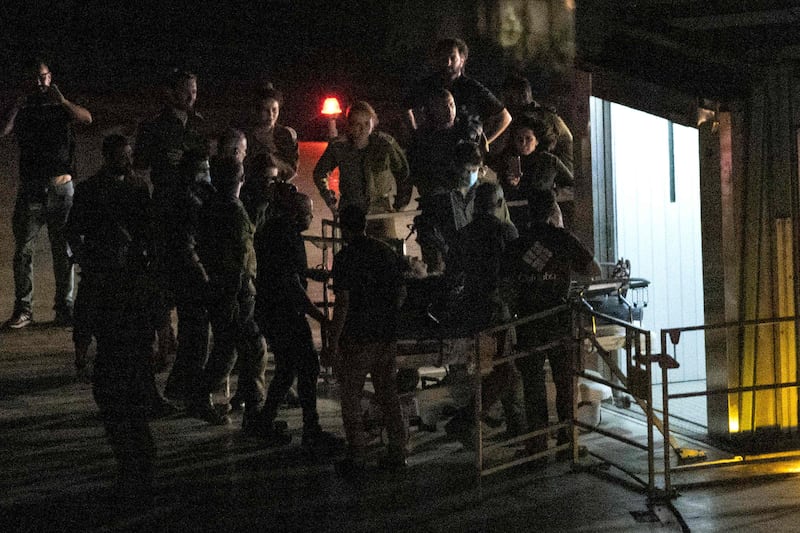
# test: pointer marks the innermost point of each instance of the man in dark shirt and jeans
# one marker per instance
(281, 308)
(369, 291)
(42, 120)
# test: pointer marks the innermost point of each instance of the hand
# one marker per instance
(512, 181)
(330, 201)
(55, 94)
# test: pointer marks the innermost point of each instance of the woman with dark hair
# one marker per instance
(525, 167)
(371, 165)
(265, 136)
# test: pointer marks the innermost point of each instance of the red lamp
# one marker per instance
(331, 109)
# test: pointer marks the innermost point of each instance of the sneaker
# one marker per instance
(19, 320)
(63, 319)
(270, 434)
(318, 440)
(236, 403)
(204, 409)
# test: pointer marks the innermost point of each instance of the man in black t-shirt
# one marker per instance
(42, 120)
(474, 102)
(282, 304)
(369, 291)
(541, 263)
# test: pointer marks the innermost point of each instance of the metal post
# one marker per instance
(665, 409)
(577, 364)
(478, 407)
(651, 452)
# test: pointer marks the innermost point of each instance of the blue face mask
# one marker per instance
(473, 177)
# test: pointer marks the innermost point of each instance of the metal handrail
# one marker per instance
(674, 335)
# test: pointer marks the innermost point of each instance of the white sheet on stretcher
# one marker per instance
(453, 351)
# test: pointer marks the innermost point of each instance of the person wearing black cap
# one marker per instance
(282, 305)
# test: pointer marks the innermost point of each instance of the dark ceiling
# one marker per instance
(709, 49)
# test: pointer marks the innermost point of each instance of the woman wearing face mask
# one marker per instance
(265, 136)
(371, 167)
(526, 167)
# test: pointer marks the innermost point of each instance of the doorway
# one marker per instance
(646, 173)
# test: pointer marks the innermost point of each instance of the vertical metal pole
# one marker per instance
(577, 365)
(651, 452)
(478, 407)
(665, 405)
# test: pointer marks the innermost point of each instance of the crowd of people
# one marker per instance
(211, 226)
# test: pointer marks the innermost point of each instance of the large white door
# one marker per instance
(656, 189)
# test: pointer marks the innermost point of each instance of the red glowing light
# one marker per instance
(331, 107)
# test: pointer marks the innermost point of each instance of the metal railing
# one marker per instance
(672, 336)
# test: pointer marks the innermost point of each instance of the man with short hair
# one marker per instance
(517, 95)
(369, 291)
(178, 128)
(474, 102)
(97, 229)
(448, 207)
(111, 231)
(542, 262)
(226, 250)
(42, 120)
(174, 148)
(282, 304)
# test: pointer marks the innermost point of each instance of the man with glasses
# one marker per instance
(42, 119)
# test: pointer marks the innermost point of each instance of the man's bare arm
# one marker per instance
(78, 113)
(340, 308)
(412, 120)
(496, 125)
(10, 116)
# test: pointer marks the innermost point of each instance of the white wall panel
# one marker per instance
(661, 238)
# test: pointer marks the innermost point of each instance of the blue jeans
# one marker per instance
(27, 222)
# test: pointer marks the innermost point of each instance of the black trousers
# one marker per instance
(291, 342)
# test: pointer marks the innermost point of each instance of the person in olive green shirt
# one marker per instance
(371, 166)
(226, 250)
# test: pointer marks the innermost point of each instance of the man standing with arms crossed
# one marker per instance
(42, 120)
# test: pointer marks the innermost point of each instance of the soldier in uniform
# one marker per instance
(225, 245)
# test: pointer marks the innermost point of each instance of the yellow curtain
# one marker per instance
(769, 217)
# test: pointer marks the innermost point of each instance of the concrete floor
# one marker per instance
(57, 472)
